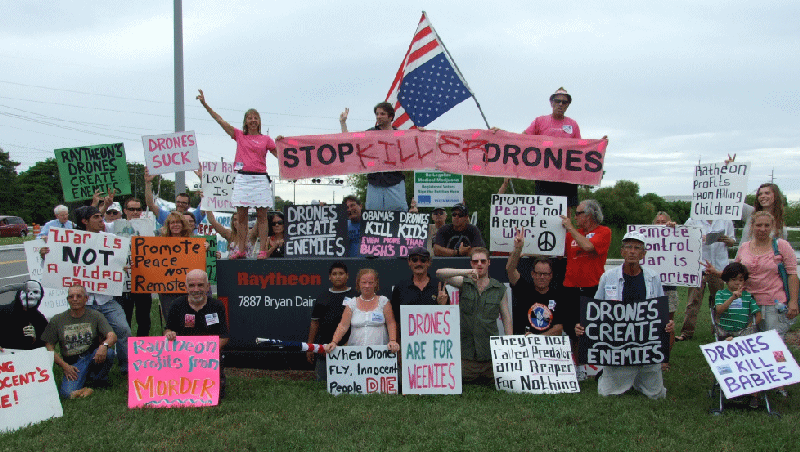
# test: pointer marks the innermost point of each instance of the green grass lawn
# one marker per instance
(270, 414)
(16, 240)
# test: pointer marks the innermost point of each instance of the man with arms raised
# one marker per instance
(181, 202)
(481, 300)
(197, 314)
(86, 339)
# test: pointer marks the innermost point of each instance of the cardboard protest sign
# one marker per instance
(171, 152)
(211, 258)
(179, 373)
(533, 364)
(362, 370)
(674, 253)
(28, 392)
(160, 264)
(438, 189)
(94, 260)
(753, 363)
(386, 233)
(719, 191)
(469, 152)
(537, 216)
(86, 169)
(145, 227)
(217, 184)
(54, 300)
(315, 231)
(618, 333)
(431, 348)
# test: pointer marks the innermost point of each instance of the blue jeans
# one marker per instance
(387, 198)
(87, 369)
(115, 315)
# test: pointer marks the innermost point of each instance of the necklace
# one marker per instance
(365, 300)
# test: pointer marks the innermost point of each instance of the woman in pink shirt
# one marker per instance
(252, 185)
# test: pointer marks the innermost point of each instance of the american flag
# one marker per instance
(427, 84)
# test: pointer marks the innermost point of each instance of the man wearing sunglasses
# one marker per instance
(181, 202)
(421, 289)
(458, 238)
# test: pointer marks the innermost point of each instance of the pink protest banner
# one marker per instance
(171, 152)
(166, 374)
(356, 153)
(470, 152)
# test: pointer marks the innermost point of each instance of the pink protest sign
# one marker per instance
(166, 374)
(355, 153)
(171, 152)
(471, 152)
(533, 157)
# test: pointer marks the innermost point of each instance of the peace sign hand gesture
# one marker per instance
(442, 297)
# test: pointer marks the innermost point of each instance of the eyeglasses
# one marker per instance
(421, 259)
(560, 102)
(542, 273)
(579, 212)
(479, 261)
(134, 209)
(277, 223)
(112, 212)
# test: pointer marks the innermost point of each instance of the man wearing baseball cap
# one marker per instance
(631, 282)
(458, 238)
(421, 288)
(439, 217)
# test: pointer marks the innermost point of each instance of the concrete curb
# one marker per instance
(17, 246)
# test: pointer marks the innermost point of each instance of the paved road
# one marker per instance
(13, 270)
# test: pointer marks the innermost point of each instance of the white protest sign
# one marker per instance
(29, 394)
(537, 216)
(438, 189)
(674, 253)
(719, 191)
(362, 370)
(171, 152)
(54, 301)
(431, 348)
(534, 364)
(753, 363)
(144, 227)
(93, 260)
(217, 184)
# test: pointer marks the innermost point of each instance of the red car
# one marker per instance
(11, 226)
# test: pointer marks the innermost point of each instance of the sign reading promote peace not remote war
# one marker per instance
(537, 216)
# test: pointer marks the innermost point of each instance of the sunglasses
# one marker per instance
(479, 261)
(112, 212)
(421, 259)
(458, 214)
(277, 223)
(134, 209)
(561, 102)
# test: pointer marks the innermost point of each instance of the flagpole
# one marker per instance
(450, 57)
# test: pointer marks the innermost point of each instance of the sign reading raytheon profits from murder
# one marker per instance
(619, 333)
(719, 191)
(171, 152)
(217, 184)
(674, 253)
(753, 363)
(431, 348)
(438, 189)
(469, 152)
(535, 364)
(362, 370)
(86, 169)
(28, 394)
(182, 372)
(315, 231)
(537, 216)
(94, 260)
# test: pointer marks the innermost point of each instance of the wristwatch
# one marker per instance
(107, 346)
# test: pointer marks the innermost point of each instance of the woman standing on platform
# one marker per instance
(252, 185)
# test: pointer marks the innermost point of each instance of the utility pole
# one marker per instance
(180, 125)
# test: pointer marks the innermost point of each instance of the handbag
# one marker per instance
(781, 269)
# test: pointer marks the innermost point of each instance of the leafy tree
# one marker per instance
(8, 177)
(41, 190)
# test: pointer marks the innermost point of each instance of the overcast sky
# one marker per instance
(670, 82)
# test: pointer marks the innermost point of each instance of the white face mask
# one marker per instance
(31, 295)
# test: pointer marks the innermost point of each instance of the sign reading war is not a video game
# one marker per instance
(673, 253)
(160, 264)
(535, 364)
(94, 260)
(537, 216)
(86, 169)
(386, 233)
(315, 231)
(719, 191)
(619, 333)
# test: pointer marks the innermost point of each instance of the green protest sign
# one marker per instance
(86, 169)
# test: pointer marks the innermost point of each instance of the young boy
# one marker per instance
(734, 305)
(327, 313)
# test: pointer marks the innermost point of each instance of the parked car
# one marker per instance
(11, 226)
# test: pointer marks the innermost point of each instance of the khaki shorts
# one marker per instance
(473, 370)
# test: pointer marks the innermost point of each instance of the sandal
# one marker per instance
(782, 392)
(262, 255)
(682, 338)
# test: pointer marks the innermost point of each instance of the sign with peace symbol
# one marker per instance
(537, 217)
(547, 241)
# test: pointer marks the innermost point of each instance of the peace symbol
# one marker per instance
(547, 241)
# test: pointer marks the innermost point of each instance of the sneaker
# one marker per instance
(581, 373)
(782, 392)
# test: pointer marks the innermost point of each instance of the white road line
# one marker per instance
(15, 276)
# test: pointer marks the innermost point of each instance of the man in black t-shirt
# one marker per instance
(197, 314)
(458, 238)
(535, 305)
(326, 315)
(421, 289)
